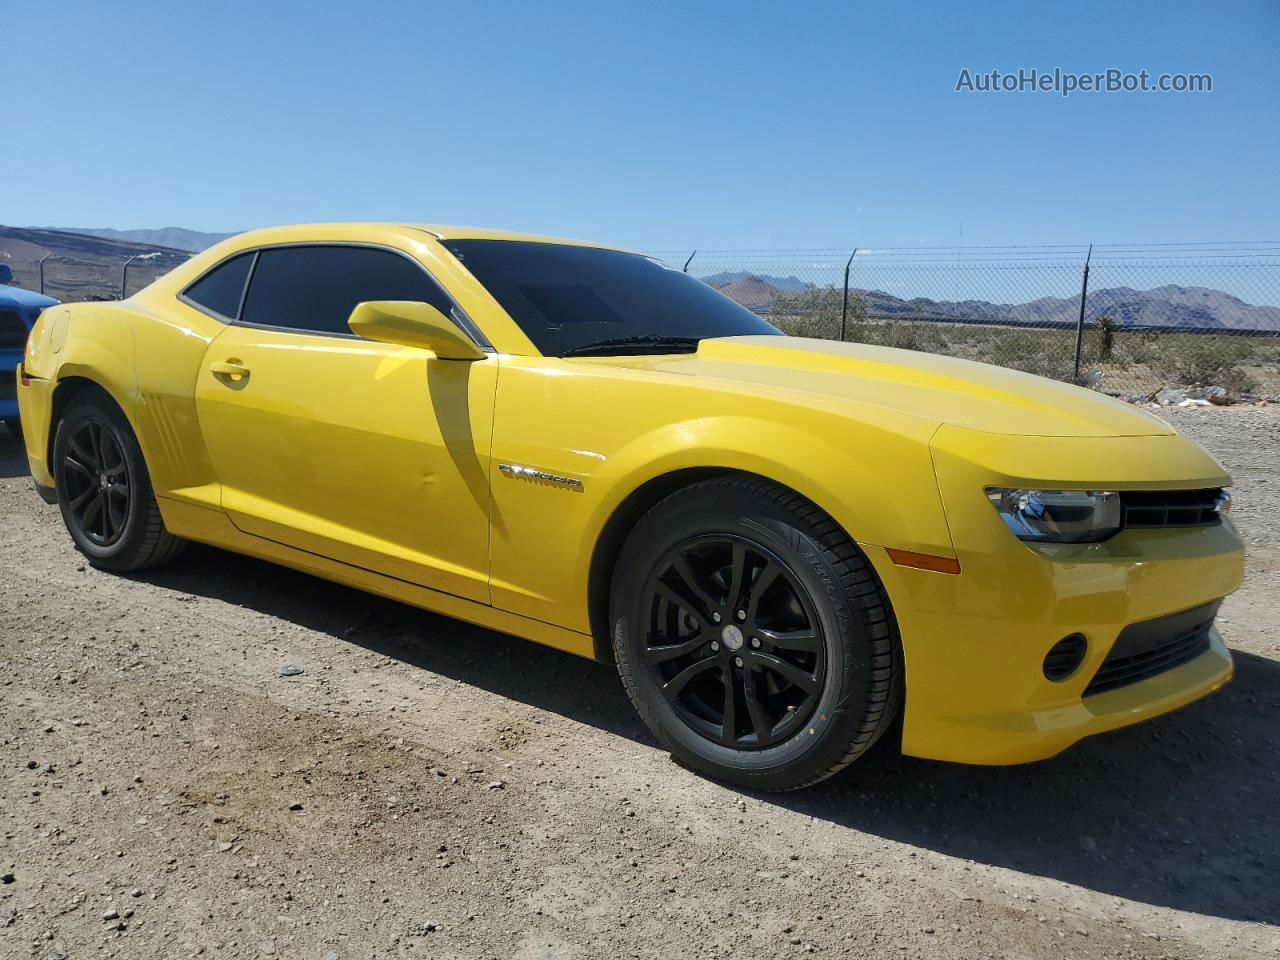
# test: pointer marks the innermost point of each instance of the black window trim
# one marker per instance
(459, 316)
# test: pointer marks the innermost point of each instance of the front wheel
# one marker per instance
(104, 490)
(753, 636)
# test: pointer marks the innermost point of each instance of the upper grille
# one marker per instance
(13, 332)
(1153, 646)
(1152, 509)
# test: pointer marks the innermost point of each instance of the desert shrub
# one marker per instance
(1012, 348)
(1135, 348)
(1032, 351)
(1266, 354)
(804, 325)
(815, 312)
(1187, 358)
(906, 335)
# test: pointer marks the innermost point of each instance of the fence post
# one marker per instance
(1084, 292)
(124, 273)
(689, 261)
(844, 303)
(41, 266)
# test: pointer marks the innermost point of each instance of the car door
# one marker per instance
(367, 453)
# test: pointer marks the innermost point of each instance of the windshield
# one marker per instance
(568, 298)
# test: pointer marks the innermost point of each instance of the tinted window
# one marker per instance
(220, 289)
(566, 297)
(316, 288)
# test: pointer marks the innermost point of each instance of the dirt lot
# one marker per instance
(428, 789)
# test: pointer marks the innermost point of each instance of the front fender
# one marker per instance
(887, 499)
(615, 431)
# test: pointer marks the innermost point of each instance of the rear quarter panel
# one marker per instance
(146, 358)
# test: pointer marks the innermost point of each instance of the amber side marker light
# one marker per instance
(923, 561)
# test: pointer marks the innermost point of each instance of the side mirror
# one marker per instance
(6, 275)
(411, 324)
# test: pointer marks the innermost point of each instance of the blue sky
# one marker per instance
(655, 125)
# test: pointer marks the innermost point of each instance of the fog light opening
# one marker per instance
(1065, 657)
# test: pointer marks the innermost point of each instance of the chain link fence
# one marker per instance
(1127, 319)
(72, 279)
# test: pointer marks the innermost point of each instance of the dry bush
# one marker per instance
(1208, 360)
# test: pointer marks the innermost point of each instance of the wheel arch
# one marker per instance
(622, 521)
(68, 388)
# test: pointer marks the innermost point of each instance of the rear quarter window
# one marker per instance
(221, 289)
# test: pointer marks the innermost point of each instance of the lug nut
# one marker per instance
(715, 646)
(755, 643)
(715, 617)
(742, 614)
(737, 661)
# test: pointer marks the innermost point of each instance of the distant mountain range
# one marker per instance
(178, 238)
(724, 279)
(1166, 306)
(89, 264)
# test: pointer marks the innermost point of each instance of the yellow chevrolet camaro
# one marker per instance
(786, 545)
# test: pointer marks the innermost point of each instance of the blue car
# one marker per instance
(18, 311)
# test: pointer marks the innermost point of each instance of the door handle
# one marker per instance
(231, 369)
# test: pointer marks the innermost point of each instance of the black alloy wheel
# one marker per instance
(733, 642)
(95, 476)
(104, 489)
(753, 636)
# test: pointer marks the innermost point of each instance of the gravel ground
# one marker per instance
(428, 789)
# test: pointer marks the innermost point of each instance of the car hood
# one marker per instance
(977, 396)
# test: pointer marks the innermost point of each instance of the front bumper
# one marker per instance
(975, 643)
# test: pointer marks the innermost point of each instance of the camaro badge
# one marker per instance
(530, 473)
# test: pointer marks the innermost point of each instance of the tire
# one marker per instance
(810, 649)
(104, 489)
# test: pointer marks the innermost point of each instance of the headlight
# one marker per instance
(1058, 516)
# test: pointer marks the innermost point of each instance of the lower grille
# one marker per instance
(1153, 646)
(1153, 509)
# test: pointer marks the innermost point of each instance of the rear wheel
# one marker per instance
(752, 635)
(104, 490)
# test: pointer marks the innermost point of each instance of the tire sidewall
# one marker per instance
(842, 704)
(80, 411)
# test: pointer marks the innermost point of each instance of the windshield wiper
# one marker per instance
(640, 344)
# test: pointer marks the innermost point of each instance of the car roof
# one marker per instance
(318, 232)
(443, 232)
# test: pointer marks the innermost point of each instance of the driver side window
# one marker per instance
(314, 288)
